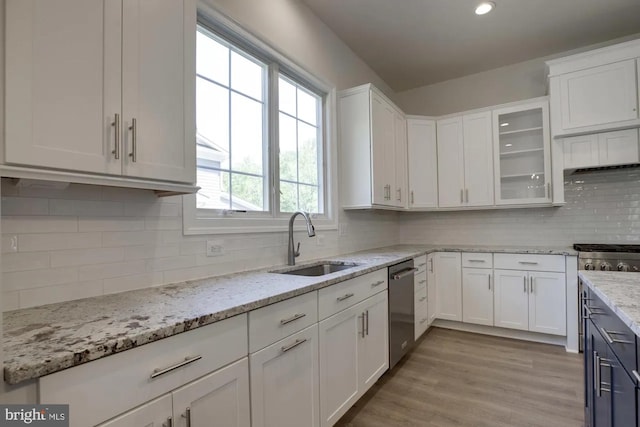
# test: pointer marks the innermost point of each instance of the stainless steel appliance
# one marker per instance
(603, 257)
(401, 311)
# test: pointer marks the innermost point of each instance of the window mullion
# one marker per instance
(274, 138)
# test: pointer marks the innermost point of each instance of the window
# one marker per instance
(262, 133)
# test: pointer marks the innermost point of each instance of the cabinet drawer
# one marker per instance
(123, 381)
(420, 263)
(530, 262)
(277, 321)
(419, 281)
(477, 260)
(420, 300)
(333, 299)
(618, 335)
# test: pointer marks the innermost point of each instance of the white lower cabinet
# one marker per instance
(354, 353)
(285, 382)
(448, 276)
(432, 310)
(531, 301)
(222, 396)
(477, 296)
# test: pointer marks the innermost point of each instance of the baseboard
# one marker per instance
(501, 332)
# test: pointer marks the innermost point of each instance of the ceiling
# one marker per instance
(412, 43)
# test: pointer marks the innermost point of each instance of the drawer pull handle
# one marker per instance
(292, 318)
(477, 260)
(404, 273)
(422, 321)
(187, 415)
(636, 376)
(422, 281)
(423, 299)
(345, 296)
(607, 335)
(593, 310)
(169, 422)
(294, 345)
(186, 361)
(378, 283)
(528, 262)
(424, 264)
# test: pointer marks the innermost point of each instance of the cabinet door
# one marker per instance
(599, 95)
(158, 89)
(548, 303)
(432, 309)
(477, 296)
(478, 159)
(448, 274)
(284, 382)
(374, 348)
(623, 395)
(588, 372)
(400, 168)
(581, 151)
(383, 151)
(222, 396)
(62, 83)
(157, 413)
(511, 299)
(601, 410)
(450, 162)
(618, 148)
(423, 163)
(339, 363)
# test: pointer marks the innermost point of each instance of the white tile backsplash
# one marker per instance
(86, 240)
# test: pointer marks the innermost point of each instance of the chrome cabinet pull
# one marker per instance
(345, 296)
(489, 277)
(404, 273)
(169, 422)
(376, 284)
(548, 190)
(528, 262)
(422, 264)
(461, 195)
(412, 199)
(157, 372)
(292, 318)
(399, 194)
(362, 317)
(466, 192)
(431, 265)
(531, 284)
(116, 149)
(422, 281)
(636, 376)
(422, 299)
(296, 343)
(525, 284)
(423, 320)
(596, 371)
(607, 335)
(477, 260)
(593, 310)
(187, 415)
(366, 314)
(134, 140)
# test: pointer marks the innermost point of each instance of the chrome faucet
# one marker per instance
(293, 253)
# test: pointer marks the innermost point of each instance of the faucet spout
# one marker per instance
(311, 231)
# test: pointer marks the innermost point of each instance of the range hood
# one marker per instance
(600, 168)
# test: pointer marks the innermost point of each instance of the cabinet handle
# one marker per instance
(187, 415)
(422, 281)
(431, 265)
(157, 372)
(489, 277)
(423, 299)
(607, 335)
(466, 192)
(116, 132)
(636, 376)
(366, 314)
(345, 296)
(412, 199)
(362, 317)
(422, 264)
(376, 284)
(476, 260)
(600, 382)
(169, 422)
(548, 190)
(399, 194)
(292, 318)
(461, 195)
(525, 284)
(134, 140)
(528, 262)
(423, 320)
(596, 371)
(296, 343)
(531, 284)
(593, 310)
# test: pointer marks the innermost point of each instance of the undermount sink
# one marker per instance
(320, 269)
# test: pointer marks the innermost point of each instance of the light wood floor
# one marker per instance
(461, 379)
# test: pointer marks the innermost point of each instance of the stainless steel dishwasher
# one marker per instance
(401, 311)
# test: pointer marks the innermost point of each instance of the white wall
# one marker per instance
(87, 241)
(601, 207)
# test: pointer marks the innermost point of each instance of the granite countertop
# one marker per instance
(46, 339)
(620, 291)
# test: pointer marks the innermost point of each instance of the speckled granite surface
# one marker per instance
(42, 340)
(618, 290)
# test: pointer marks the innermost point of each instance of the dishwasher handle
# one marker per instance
(399, 275)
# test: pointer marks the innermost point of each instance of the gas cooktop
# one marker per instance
(601, 247)
(607, 257)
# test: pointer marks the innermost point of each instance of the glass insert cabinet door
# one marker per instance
(522, 154)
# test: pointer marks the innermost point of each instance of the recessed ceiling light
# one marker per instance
(485, 7)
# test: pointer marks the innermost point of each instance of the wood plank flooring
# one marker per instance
(457, 378)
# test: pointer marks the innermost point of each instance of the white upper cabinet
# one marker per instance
(603, 149)
(465, 161)
(79, 72)
(423, 163)
(373, 150)
(522, 154)
(595, 91)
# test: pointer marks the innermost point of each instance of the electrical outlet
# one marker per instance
(215, 248)
(320, 239)
(13, 245)
(342, 229)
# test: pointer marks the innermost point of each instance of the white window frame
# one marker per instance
(199, 221)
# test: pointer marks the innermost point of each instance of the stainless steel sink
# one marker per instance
(319, 269)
